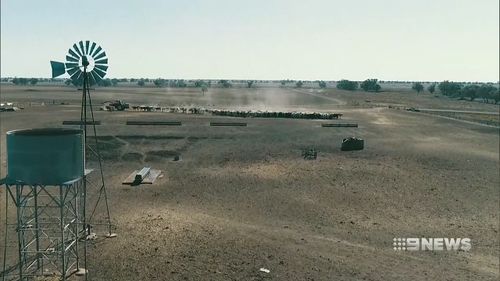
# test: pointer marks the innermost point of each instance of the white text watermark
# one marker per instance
(431, 244)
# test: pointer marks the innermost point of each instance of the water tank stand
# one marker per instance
(50, 226)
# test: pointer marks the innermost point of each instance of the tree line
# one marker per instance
(485, 92)
(471, 92)
(25, 81)
(369, 85)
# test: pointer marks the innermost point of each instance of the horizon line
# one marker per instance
(267, 80)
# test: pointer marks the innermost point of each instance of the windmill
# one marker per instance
(51, 218)
(85, 60)
(86, 64)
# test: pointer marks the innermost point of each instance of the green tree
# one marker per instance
(370, 85)
(431, 88)
(469, 91)
(181, 83)
(347, 85)
(224, 83)
(322, 84)
(487, 92)
(141, 82)
(20, 81)
(495, 95)
(199, 83)
(250, 83)
(114, 82)
(159, 82)
(417, 86)
(202, 85)
(448, 88)
(299, 84)
(483, 93)
(33, 81)
(105, 82)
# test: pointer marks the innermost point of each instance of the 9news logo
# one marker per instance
(431, 244)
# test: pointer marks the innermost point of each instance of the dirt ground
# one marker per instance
(243, 198)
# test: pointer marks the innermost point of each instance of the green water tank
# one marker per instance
(50, 156)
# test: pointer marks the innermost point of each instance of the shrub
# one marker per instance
(417, 87)
(105, 82)
(347, 85)
(431, 88)
(33, 81)
(159, 82)
(224, 84)
(370, 85)
(20, 81)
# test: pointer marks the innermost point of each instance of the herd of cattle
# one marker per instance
(240, 113)
(277, 114)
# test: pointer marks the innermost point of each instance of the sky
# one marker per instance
(424, 40)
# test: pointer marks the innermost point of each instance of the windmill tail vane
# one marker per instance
(84, 56)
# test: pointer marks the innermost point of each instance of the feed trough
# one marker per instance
(154, 123)
(78, 122)
(340, 125)
(228, 124)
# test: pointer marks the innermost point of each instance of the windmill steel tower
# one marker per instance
(48, 183)
(86, 64)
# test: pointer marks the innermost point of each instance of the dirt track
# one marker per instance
(243, 198)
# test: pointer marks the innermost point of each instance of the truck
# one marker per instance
(118, 105)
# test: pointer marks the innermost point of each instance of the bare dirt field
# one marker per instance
(243, 198)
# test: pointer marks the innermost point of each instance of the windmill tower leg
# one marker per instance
(102, 192)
